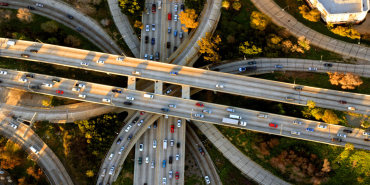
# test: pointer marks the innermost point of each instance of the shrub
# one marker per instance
(311, 15)
(346, 32)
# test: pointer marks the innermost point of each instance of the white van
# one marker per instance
(164, 144)
(10, 42)
(148, 96)
(34, 150)
(233, 116)
(159, 5)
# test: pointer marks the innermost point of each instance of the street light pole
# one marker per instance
(191, 114)
(281, 130)
(321, 59)
(285, 7)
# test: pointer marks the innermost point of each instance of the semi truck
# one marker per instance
(230, 121)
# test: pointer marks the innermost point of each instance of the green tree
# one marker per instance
(50, 26)
(330, 117)
(237, 5)
(209, 46)
(259, 20)
(19, 36)
(53, 40)
(253, 50)
(311, 15)
(311, 104)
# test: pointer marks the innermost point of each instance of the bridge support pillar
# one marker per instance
(131, 83)
(158, 87)
(186, 92)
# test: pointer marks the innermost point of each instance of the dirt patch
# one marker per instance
(22, 98)
(296, 75)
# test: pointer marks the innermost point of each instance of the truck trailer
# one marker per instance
(230, 121)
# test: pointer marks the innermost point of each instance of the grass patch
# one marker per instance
(126, 176)
(193, 180)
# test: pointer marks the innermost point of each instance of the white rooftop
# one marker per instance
(342, 6)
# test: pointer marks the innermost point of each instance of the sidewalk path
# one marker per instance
(237, 158)
(124, 27)
(284, 19)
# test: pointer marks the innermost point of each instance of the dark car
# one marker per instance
(79, 29)
(336, 140)
(140, 160)
(342, 102)
(33, 51)
(69, 16)
(178, 145)
(201, 151)
(168, 45)
(135, 120)
(248, 68)
(170, 161)
(367, 140)
(328, 65)
(127, 103)
(155, 125)
(347, 131)
(35, 87)
(56, 80)
(3, 4)
(174, 48)
(30, 7)
(154, 8)
(25, 55)
(251, 63)
(119, 140)
(117, 91)
(165, 110)
(298, 88)
(146, 39)
(153, 41)
(30, 76)
(129, 137)
(182, 7)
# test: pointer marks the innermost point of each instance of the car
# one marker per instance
(172, 105)
(152, 165)
(119, 140)
(147, 160)
(207, 180)
(116, 91)
(170, 161)
(47, 85)
(25, 55)
(84, 64)
(147, 11)
(309, 129)
(289, 98)
(178, 145)
(79, 29)
(157, 55)
(295, 132)
(168, 45)
(328, 65)
(169, 29)
(174, 73)
(351, 108)
(199, 115)
(199, 104)
(120, 150)
(278, 66)
(147, 27)
(171, 142)
(262, 115)
(33, 51)
(39, 5)
(342, 135)
(179, 123)
(30, 76)
(174, 48)
(242, 69)
(164, 180)
(140, 160)
(146, 57)
(100, 61)
(3, 72)
(368, 140)
(13, 125)
(175, 33)
(243, 123)
(172, 128)
(165, 110)
(4, 4)
(252, 63)
(170, 174)
(135, 120)
(177, 175)
(153, 27)
(169, 16)
(151, 57)
(142, 113)
(273, 125)
(111, 156)
(153, 7)
(30, 7)
(347, 131)
(128, 128)
(76, 89)
(342, 102)
(130, 98)
(127, 103)
(366, 133)
(182, 7)
(298, 88)
(164, 163)
(106, 100)
(312, 69)
(140, 122)
(174, 17)
(201, 150)
(59, 92)
(297, 122)
(56, 80)
(167, 92)
(207, 111)
(136, 72)
(141, 147)
(111, 170)
(22, 80)
(119, 59)
(180, 35)
(154, 143)
(103, 174)
(129, 137)
(175, 8)
(220, 86)
(82, 95)
(322, 126)
(35, 87)
(69, 16)
(155, 125)
(177, 157)
(153, 42)
(336, 140)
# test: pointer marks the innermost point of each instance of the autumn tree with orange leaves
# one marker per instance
(347, 81)
(188, 17)
(209, 46)
(11, 155)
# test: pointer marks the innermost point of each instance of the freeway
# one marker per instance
(46, 158)
(58, 10)
(187, 109)
(199, 78)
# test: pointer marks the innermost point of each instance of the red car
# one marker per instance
(342, 102)
(273, 125)
(169, 16)
(199, 104)
(177, 175)
(3, 4)
(59, 92)
(142, 112)
(154, 8)
(172, 128)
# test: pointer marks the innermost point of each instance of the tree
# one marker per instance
(24, 14)
(365, 124)
(22, 181)
(273, 41)
(19, 36)
(237, 5)
(11, 155)
(209, 46)
(5, 15)
(259, 20)
(90, 173)
(72, 41)
(311, 15)
(244, 48)
(304, 43)
(311, 104)
(346, 32)
(296, 48)
(286, 46)
(53, 40)
(330, 117)
(138, 24)
(317, 113)
(348, 81)
(50, 26)
(45, 103)
(226, 4)
(349, 146)
(131, 7)
(326, 166)
(188, 18)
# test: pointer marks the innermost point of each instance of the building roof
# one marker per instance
(343, 6)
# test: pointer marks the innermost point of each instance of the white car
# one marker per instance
(219, 86)
(172, 142)
(141, 147)
(23, 80)
(366, 133)
(170, 174)
(103, 174)
(262, 115)
(128, 128)
(111, 171)
(147, 160)
(243, 123)
(82, 95)
(152, 164)
(174, 17)
(106, 100)
(146, 57)
(179, 123)
(119, 59)
(48, 85)
(100, 61)
(172, 106)
(177, 157)
(147, 27)
(312, 69)
(207, 111)
(351, 108)
(136, 72)
(207, 180)
(141, 121)
(3, 72)
(164, 180)
(199, 115)
(39, 5)
(76, 89)
(120, 150)
(322, 126)
(295, 132)
(130, 98)
(13, 125)
(84, 64)
(175, 9)
(154, 143)
(111, 156)
(81, 85)
(342, 135)
(153, 27)
(297, 122)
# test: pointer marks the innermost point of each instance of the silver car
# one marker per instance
(199, 115)
(147, 27)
